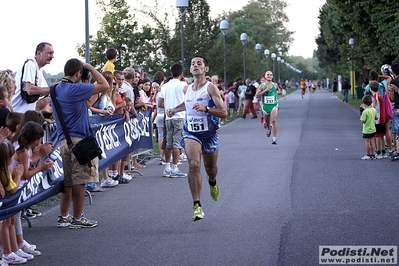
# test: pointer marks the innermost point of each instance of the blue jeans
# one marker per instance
(345, 95)
(395, 121)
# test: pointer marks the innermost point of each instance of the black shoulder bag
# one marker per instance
(85, 150)
(24, 94)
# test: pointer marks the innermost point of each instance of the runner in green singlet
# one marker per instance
(268, 92)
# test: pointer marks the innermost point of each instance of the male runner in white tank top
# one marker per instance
(203, 106)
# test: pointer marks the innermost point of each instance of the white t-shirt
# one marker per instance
(173, 95)
(109, 105)
(144, 97)
(127, 87)
(231, 96)
(32, 74)
(241, 90)
(160, 113)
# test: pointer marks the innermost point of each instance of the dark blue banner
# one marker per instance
(116, 137)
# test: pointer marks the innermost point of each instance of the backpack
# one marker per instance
(251, 88)
(24, 94)
(388, 106)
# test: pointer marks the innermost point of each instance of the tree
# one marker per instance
(200, 34)
(156, 49)
(154, 42)
(118, 29)
(330, 39)
(371, 23)
(263, 21)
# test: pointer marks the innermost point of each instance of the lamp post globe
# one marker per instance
(244, 38)
(352, 42)
(224, 26)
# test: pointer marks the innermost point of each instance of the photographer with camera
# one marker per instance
(30, 81)
(72, 95)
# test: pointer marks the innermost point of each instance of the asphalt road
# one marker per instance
(278, 204)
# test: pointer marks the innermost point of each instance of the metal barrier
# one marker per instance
(131, 169)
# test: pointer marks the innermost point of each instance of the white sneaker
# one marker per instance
(378, 156)
(123, 180)
(177, 173)
(166, 173)
(127, 177)
(109, 182)
(366, 157)
(12, 258)
(30, 249)
(24, 255)
(183, 157)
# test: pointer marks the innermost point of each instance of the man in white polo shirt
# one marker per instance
(33, 79)
(170, 96)
(127, 89)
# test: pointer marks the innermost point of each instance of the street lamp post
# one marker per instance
(273, 56)
(267, 53)
(258, 48)
(288, 76)
(352, 44)
(224, 26)
(299, 75)
(182, 7)
(282, 70)
(244, 38)
(278, 67)
(87, 36)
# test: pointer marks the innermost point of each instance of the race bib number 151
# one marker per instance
(197, 123)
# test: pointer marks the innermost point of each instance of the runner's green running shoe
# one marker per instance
(215, 192)
(198, 214)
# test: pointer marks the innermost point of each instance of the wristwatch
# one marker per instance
(206, 109)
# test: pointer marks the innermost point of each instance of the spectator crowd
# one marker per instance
(25, 108)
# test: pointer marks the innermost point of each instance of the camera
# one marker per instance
(85, 74)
